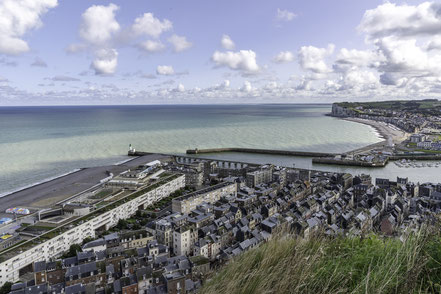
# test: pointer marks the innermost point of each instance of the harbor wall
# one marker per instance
(349, 162)
(262, 151)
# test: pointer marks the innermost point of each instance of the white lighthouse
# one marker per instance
(131, 149)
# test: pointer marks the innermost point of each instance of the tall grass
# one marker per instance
(335, 265)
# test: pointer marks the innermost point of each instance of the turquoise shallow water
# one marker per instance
(37, 143)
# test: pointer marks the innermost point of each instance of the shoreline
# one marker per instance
(44, 181)
(7, 193)
(384, 130)
(52, 191)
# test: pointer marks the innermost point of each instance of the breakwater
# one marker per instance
(262, 151)
(139, 153)
(349, 162)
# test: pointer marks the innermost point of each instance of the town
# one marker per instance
(168, 224)
(411, 129)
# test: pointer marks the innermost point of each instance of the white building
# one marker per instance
(207, 247)
(183, 240)
(425, 144)
(417, 138)
(16, 258)
(189, 202)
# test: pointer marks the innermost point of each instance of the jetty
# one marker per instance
(317, 157)
(262, 151)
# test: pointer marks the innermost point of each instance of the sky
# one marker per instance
(59, 52)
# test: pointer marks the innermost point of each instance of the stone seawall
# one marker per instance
(348, 162)
(262, 151)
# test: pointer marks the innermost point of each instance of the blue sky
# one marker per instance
(148, 52)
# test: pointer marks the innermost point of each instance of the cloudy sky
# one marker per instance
(64, 52)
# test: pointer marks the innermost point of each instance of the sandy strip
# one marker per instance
(384, 129)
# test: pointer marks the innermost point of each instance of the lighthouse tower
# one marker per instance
(131, 149)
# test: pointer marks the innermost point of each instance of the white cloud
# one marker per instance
(165, 70)
(244, 60)
(39, 62)
(393, 79)
(284, 57)
(98, 29)
(227, 43)
(313, 59)
(271, 86)
(403, 56)
(434, 43)
(402, 20)
(350, 59)
(75, 48)
(180, 88)
(149, 25)
(98, 24)
(17, 17)
(305, 85)
(361, 80)
(62, 78)
(179, 43)
(285, 15)
(246, 87)
(151, 46)
(105, 61)
(407, 40)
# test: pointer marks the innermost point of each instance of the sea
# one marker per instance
(41, 143)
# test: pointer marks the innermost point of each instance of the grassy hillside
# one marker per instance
(428, 106)
(339, 265)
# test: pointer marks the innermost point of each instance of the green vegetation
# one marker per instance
(38, 228)
(167, 200)
(19, 247)
(427, 106)
(199, 260)
(335, 265)
(101, 194)
(6, 288)
(429, 151)
(73, 249)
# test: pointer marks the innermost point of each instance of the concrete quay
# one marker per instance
(262, 151)
(349, 162)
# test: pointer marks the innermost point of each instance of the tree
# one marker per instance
(122, 224)
(6, 288)
(87, 240)
(73, 249)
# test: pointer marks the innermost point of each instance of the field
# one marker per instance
(371, 264)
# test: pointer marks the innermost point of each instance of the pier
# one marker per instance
(317, 157)
(262, 151)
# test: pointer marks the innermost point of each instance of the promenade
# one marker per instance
(49, 193)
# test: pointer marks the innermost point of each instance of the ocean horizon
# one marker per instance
(43, 142)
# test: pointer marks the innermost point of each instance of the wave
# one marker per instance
(124, 161)
(38, 183)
